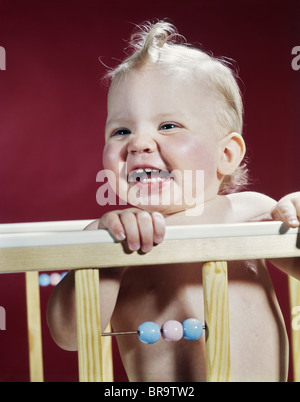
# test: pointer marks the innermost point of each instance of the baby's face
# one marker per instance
(160, 128)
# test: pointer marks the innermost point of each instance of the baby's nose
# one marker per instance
(141, 144)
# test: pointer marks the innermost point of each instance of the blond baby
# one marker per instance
(173, 108)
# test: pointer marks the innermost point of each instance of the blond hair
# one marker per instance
(161, 44)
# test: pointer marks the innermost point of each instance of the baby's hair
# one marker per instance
(161, 44)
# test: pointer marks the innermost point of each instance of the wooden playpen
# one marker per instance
(34, 247)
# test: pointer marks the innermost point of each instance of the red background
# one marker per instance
(52, 114)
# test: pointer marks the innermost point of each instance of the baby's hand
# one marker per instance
(286, 210)
(141, 229)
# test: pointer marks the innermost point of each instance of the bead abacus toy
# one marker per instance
(149, 332)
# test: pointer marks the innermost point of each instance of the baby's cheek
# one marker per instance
(110, 158)
(205, 160)
(113, 161)
(192, 156)
(204, 157)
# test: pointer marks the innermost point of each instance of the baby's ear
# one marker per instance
(232, 151)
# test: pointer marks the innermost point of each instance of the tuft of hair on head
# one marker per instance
(156, 35)
(145, 44)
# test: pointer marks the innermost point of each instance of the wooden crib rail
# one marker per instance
(63, 245)
(47, 250)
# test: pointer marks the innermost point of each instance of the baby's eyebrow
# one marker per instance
(118, 121)
(126, 121)
(170, 115)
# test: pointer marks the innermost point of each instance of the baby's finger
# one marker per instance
(145, 225)
(130, 224)
(286, 211)
(111, 221)
(159, 225)
(296, 203)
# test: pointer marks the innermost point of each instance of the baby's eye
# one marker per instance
(168, 126)
(121, 131)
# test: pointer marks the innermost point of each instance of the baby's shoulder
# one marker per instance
(249, 204)
(246, 196)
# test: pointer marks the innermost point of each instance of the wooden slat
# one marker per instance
(294, 291)
(88, 325)
(107, 356)
(47, 258)
(216, 311)
(34, 327)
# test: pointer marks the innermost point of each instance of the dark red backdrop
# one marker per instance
(52, 113)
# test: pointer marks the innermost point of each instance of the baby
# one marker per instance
(174, 109)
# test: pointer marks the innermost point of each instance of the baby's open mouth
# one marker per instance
(148, 175)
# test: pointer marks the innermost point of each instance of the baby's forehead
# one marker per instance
(165, 78)
(168, 91)
(160, 96)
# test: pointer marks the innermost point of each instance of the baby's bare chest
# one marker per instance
(163, 293)
(171, 292)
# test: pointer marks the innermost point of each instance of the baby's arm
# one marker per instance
(139, 230)
(61, 309)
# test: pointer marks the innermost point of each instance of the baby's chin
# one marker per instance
(164, 209)
(167, 202)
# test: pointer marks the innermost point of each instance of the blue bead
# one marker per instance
(149, 332)
(44, 280)
(192, 329)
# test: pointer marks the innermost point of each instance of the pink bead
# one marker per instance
(172, 330)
